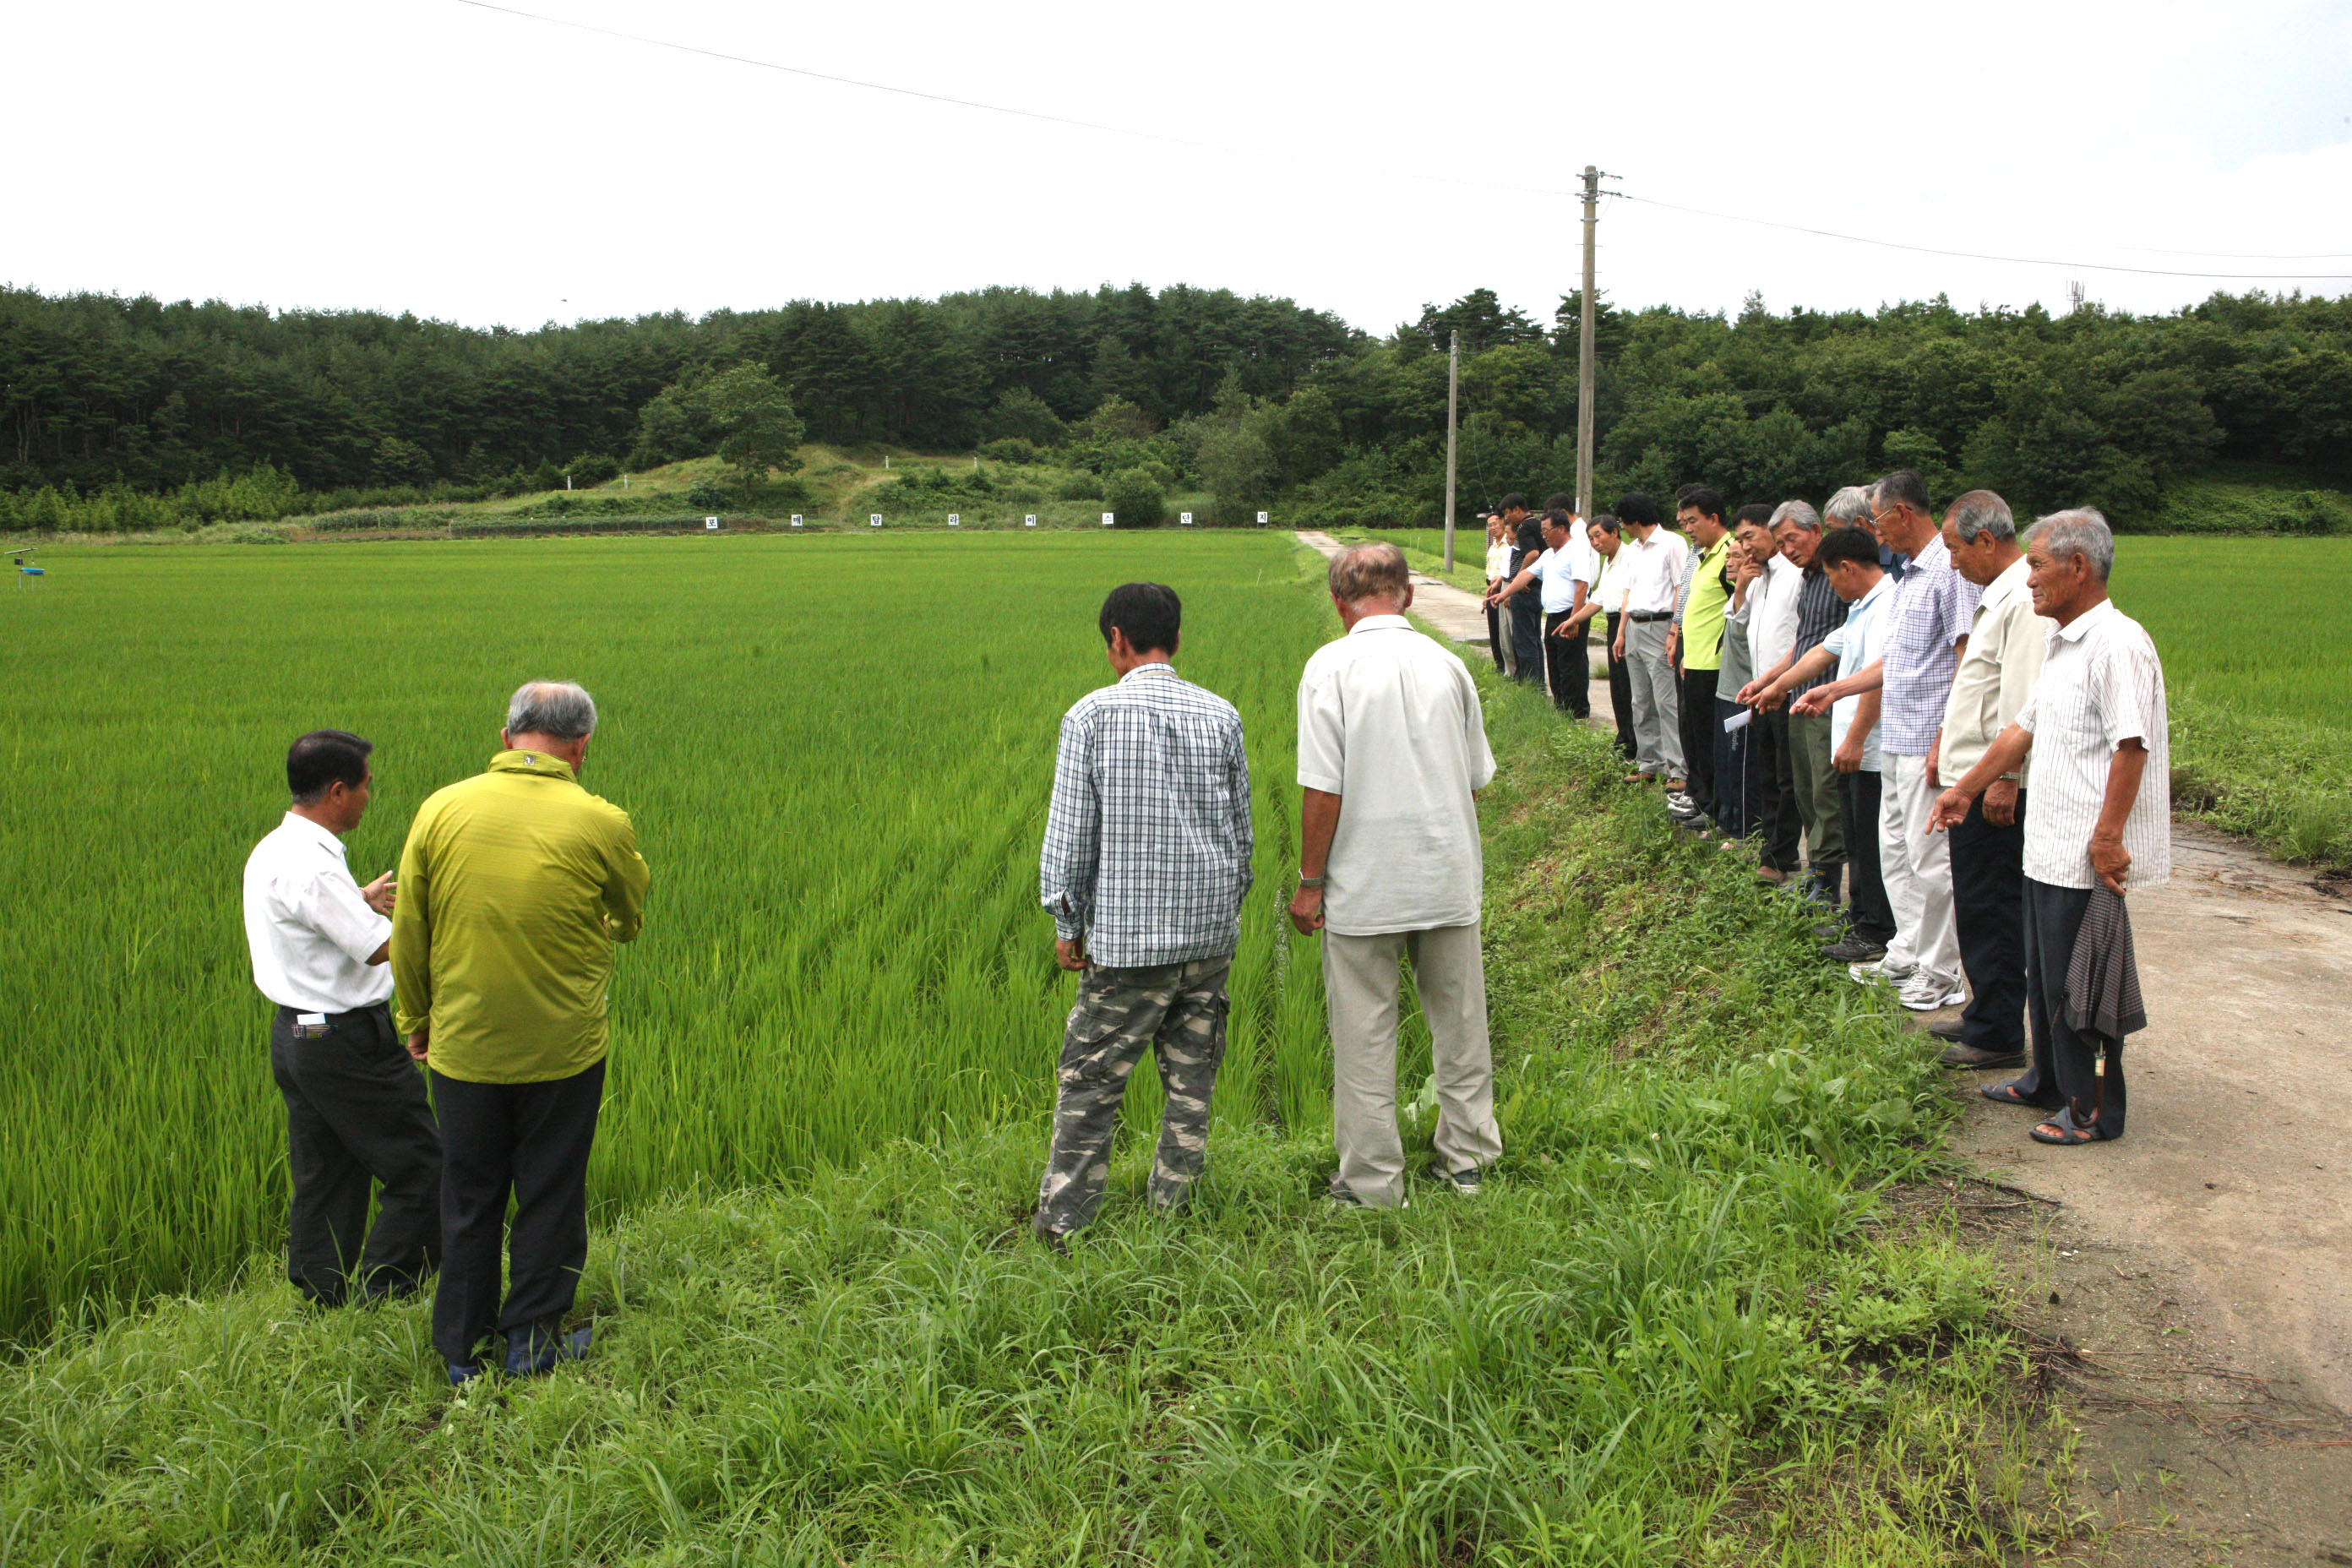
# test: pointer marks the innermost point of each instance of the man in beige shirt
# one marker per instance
(1996, 674)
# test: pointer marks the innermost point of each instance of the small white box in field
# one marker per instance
(796, 520)
(873, 519)
(711, 522)
(1185, 518)
(955, 519)
(1029, 520)
(1109, 517)
(1261, 520)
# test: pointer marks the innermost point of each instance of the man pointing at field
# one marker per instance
(1390, 745)
(1147, 857)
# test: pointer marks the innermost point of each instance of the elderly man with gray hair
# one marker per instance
(1995, 677)
(515, 884)
(1391, 746)
(2098, 823)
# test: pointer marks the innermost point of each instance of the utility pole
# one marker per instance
(1584, 336)
(1453, 398)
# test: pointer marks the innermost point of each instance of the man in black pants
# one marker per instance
(355, 1106)
(520, 882)
(1561, 582)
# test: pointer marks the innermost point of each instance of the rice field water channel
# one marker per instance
(837, 752)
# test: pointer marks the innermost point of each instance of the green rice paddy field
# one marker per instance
(1681, 1326)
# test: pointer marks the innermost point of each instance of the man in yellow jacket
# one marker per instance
(515, 884)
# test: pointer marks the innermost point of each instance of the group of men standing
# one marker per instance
(1834, 688)
(496, 937)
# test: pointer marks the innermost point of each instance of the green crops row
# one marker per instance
(837, 752)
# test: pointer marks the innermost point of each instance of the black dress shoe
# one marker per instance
(1949, 1029)
(1855, 950)
(1977, 1058)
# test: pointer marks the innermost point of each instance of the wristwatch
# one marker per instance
(1307, 882)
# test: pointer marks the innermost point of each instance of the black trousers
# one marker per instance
(1621, 695)
(530, 1140)
(1739, 772)
(1780, 822)
(1697, 725)
(1867, 912)
(1495, 636)
(1526, 633)
(356, 1114)
(2063, 1071)
(1988, 910)
(1569, 664)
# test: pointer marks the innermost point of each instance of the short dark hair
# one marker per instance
(1701, 498)
(1514, 499)
(1557, 514)
(1637, 509)
(1906, 486)
(1755, 511)
(326, 757)
(1606, 523)
(1559, 500)
(1848, 543)
(1149, 613)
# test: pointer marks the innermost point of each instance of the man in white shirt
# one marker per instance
(2099, 813)
(1650, 560)
(1996, 675)
(1771, 639)
(1561, 578)
(1608, 600)
(1391, 746)
(355, 1104)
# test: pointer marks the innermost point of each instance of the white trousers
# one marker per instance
(1360, 982)
(1916, 867)
(1657, 706)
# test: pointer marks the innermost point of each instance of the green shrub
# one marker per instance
(592, 469)
(1136, 500)
(1011, 449)
(712, 494)
(1080, 485)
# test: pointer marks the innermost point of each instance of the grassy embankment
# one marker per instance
(1672, 1331)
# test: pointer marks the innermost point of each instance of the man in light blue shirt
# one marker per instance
(1855, 572)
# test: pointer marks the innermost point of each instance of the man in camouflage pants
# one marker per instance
(1146, 860)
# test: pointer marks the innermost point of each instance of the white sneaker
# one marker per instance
(1925, 994)
(1863, 974)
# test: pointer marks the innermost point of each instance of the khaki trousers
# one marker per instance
(1360, 982)
(1818, 802)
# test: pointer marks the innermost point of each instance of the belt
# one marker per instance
(284, 1011)
(1650, 615)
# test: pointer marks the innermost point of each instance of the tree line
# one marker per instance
(1248, 398)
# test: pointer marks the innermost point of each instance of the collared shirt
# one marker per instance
(1581, 551)
(1652, 570)
(1499, 560)
(1933, 605)
(1700, 612)
(1610, 586)
(1820, 612)
(309, 931)
(2101, 685)
(1147, 839)
(1389, 722)
(1859, 639)
(1772, 620)
(514, 886)
(1738, 668)
(1559, 572)
(2006, 642)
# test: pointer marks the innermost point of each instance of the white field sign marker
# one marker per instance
(1261, 520)
(1109, 517)
(711, 522)
(873, 519)
(1184, 518)
(1029, 520)
(796, 520)
(955, 519)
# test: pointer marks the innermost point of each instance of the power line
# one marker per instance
(1978, 255)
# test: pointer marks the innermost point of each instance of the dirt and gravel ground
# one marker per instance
(2188, 1289)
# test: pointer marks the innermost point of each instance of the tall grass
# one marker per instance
(1671, 1332)
(836, 751)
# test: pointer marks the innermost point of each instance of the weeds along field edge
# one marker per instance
(837, 753)
(1672, 1330)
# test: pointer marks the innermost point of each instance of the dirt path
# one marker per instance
(2192, 1282)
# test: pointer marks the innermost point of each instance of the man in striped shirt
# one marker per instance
(2099, 814)
(1812, 780)
(1146, 861)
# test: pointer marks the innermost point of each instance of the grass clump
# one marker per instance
(1669, 1332)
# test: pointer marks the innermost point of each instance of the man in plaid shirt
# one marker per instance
(1146, 861)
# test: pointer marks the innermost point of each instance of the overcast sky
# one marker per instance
(434, 156)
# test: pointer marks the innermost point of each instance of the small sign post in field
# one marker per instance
(873, 519)
(1109, 517)
(1184, 518)
(955, 519)
(1029, 520)
(1261, 520)
(796, 520)
(711, 522)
